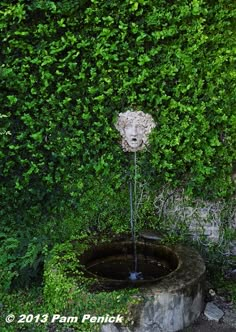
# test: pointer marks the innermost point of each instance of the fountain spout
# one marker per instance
(134, 127)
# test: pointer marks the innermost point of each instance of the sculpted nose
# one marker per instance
(134, 130)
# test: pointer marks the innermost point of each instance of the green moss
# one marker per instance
(66, 290)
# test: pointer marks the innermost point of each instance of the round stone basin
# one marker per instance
(113, 263)
(172, 287)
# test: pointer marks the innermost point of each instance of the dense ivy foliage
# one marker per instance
(69, 67)
(66, 288)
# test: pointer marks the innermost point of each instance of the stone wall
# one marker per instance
(202, 218)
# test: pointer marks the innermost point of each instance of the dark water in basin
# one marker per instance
(120, 267)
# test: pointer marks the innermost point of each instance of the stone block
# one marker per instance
(212, 312)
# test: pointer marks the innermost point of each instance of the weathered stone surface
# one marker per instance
(113, 328)
(230, 318)
(170, 311)
(212, 312)
(201, 216)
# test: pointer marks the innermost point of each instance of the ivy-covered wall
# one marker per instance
(69, 67)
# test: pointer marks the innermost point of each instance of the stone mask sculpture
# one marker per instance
(134, 127)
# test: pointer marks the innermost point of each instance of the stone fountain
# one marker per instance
(170, 279)
(134, 127)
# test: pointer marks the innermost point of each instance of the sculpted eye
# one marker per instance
(140, 127)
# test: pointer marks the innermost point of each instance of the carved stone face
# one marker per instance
(134, 127)
(134, 133)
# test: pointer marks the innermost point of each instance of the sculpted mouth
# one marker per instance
(134, 139)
